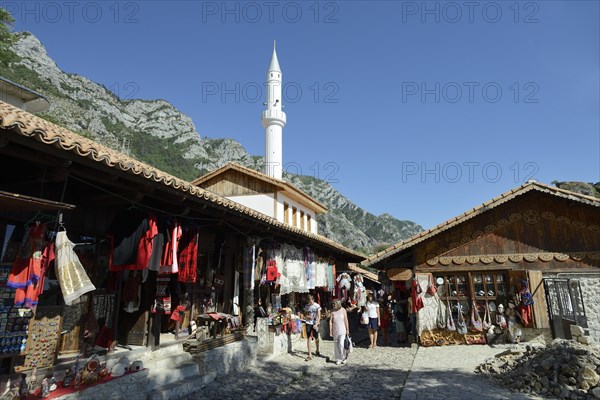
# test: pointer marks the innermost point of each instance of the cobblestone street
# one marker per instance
(377, 373)
(389, 372)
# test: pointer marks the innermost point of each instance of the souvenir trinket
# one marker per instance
(45, 387)
(23, 388)
(53, 384)
(68, 380)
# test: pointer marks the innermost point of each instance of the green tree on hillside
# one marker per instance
(7, 37)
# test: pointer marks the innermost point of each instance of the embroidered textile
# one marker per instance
(71, 275)
(321, 275)
(310, 265)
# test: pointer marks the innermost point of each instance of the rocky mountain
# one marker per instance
(588, 189)
(155, 132)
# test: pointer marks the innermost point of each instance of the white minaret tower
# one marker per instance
(273, 120)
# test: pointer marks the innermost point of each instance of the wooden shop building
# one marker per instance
(100, 198)
(535, 238)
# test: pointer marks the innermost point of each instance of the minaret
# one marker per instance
(273, 120)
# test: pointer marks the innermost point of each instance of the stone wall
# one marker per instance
(590, 288)
(131, 387)
(226, 359)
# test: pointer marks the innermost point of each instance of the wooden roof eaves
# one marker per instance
(24, 124)
(297, 194)
(486, 206)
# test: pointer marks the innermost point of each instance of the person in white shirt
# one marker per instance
(374, 319)
(312, 317)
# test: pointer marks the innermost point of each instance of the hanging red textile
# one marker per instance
(188, 256)
(169, 263)
(27, 267)
(145, 246)
(48, 257)
(526, 314)
(417, 301)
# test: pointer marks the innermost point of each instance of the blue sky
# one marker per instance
(422, 110)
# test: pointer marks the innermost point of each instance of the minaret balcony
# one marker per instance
(273, 117)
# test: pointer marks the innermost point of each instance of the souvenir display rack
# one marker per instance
(42, 342)
(14, 321)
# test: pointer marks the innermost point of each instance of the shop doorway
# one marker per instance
(565, 306)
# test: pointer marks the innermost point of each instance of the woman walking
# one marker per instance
(373, 312)
(338, 329)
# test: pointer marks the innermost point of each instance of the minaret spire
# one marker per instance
(273, 120)
(274, 66)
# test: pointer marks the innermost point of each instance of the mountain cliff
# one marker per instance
(588, 189)
(155, 132)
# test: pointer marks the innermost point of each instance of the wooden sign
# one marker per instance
(399, 274)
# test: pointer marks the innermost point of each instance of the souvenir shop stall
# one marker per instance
(68, 293)
(126, 256)
(447, 314)
(493, 274)
(284, 276)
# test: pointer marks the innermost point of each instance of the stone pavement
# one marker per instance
(447, 373)
(376, 373)
(389, 372)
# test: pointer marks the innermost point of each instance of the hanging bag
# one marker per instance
(364, 318)
(441, 321)
(271, 271)
(431, 288)
(461, 325)
(348, 344)
(487, 319)
(476, 323)
(450, 325)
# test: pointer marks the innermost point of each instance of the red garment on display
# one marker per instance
(188, 257)
(128, 228)
(177, 315)
(145, 245)
(169, 263)
(417, 301)
(48, 257)
(27, 267)
(526, 314)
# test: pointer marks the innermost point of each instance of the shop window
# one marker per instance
(489, 286)
(483, 288)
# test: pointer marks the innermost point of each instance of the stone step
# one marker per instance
(165, 350)
(178, 389)
(169, 361)
(166, 376)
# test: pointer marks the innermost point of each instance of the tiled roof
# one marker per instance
(496, 201)
(308, 200)
(43, 131)
(367, 274)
